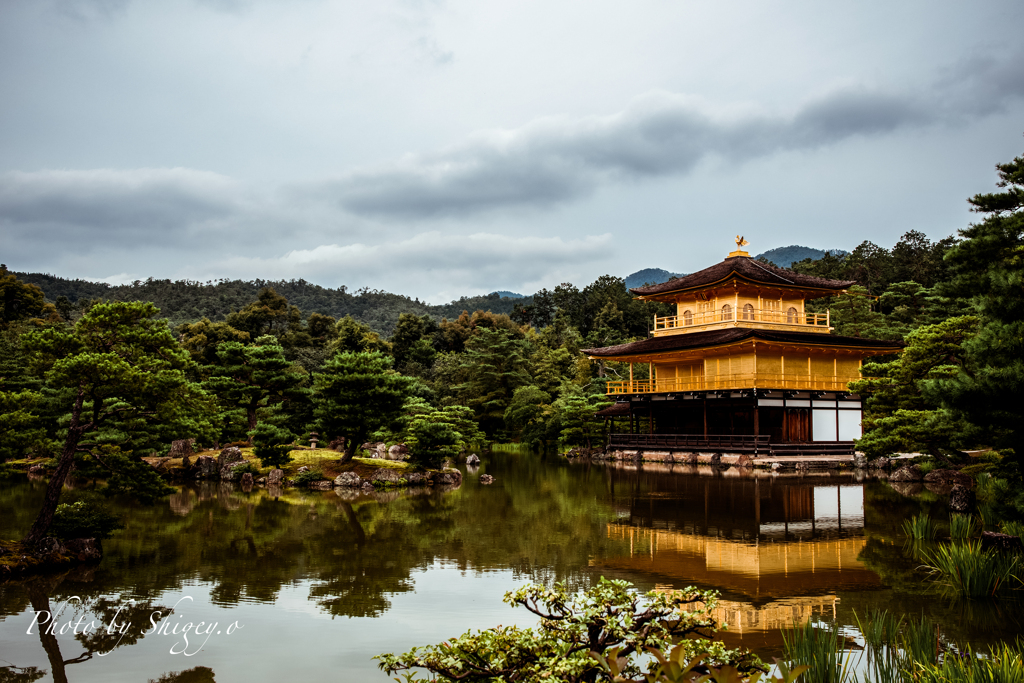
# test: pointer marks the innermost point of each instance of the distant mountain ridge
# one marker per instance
(505, 294)
(784, 257)
(649, 276)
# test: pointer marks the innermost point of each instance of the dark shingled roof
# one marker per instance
(747, 268)
(614, 410)
(677, 342)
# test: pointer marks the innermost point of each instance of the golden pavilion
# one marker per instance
(742, 366)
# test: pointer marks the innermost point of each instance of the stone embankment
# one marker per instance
(231, 465)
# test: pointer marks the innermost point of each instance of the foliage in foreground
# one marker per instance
(576, 634)
(967, 571)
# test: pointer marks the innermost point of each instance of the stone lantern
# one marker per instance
(313, 439)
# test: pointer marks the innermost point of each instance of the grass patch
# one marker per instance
(1012, 528)
(1003, 663)
(821, 647)
(387, 464)
(920, 528)
(962, 527)
(967, 571)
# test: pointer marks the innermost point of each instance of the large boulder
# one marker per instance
(386, 476)
(206, 467)
(398, 452)
(949, 477)
(745, 461)
(182, 448)
(860, 461)
(880, 464)
(247, 481)
(348, 480)
(961, 499)
(907, 473)
(446, 477)
(226, 461)
(486, 479)
(1001, 542)
(275, 477)
(229, 455)
(473, 459)
(416, 478)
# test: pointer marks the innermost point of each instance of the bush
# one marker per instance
(243, 467)
(967, 571)
(84, 519)
(579, 636)
(310, 475)
(271, 445)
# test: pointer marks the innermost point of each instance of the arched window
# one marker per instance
(748, 311)
(687, 317)
(727, 312)
(791, 315)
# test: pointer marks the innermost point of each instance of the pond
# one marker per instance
(314, 584)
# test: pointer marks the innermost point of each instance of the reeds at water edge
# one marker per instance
(899, 650)
(822, 647)
(920, 528)
(962, 527)
(967, 571)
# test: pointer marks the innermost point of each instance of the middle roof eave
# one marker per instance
(710, 338)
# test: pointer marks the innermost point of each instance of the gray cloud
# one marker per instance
(141, 205)
(556, 160)
(435, 265)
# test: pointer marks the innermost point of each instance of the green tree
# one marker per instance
(432, 437)
(202, 338)
(269, 314)
(272, 444)
(251, 377)
(576, 410)
(609, 619)
(987, 268)
(352, 335)
(495, 364)
(528, 414)
(903, 412)
(357, 393)
(122, 380)
(20, 300)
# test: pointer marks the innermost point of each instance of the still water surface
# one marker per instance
(315, 584)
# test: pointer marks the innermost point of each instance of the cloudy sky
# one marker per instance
(440, 148)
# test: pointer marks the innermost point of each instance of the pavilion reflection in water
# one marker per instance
(777, 548)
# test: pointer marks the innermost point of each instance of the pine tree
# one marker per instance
(357, 393)
(122, 381)
(251, 377)
(987, 268)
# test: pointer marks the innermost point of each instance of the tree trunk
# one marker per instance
(56, 485)
(250, 413)
(38, 596)
(351, 443)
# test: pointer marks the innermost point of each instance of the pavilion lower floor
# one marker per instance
(741, 421)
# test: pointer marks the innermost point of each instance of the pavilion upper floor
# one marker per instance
(742, 292)
(739, 359)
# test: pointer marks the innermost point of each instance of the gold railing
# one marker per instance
(762, 315)
(747, 380)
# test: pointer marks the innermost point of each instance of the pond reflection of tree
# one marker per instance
(66, 597)
(543, 522)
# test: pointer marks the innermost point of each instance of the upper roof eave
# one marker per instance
(745, 268)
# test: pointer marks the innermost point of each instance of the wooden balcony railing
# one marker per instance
(763, 315)
(750, 380)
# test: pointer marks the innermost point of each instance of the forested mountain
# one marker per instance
(649, 276)
(188, 301)
(787, 256)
